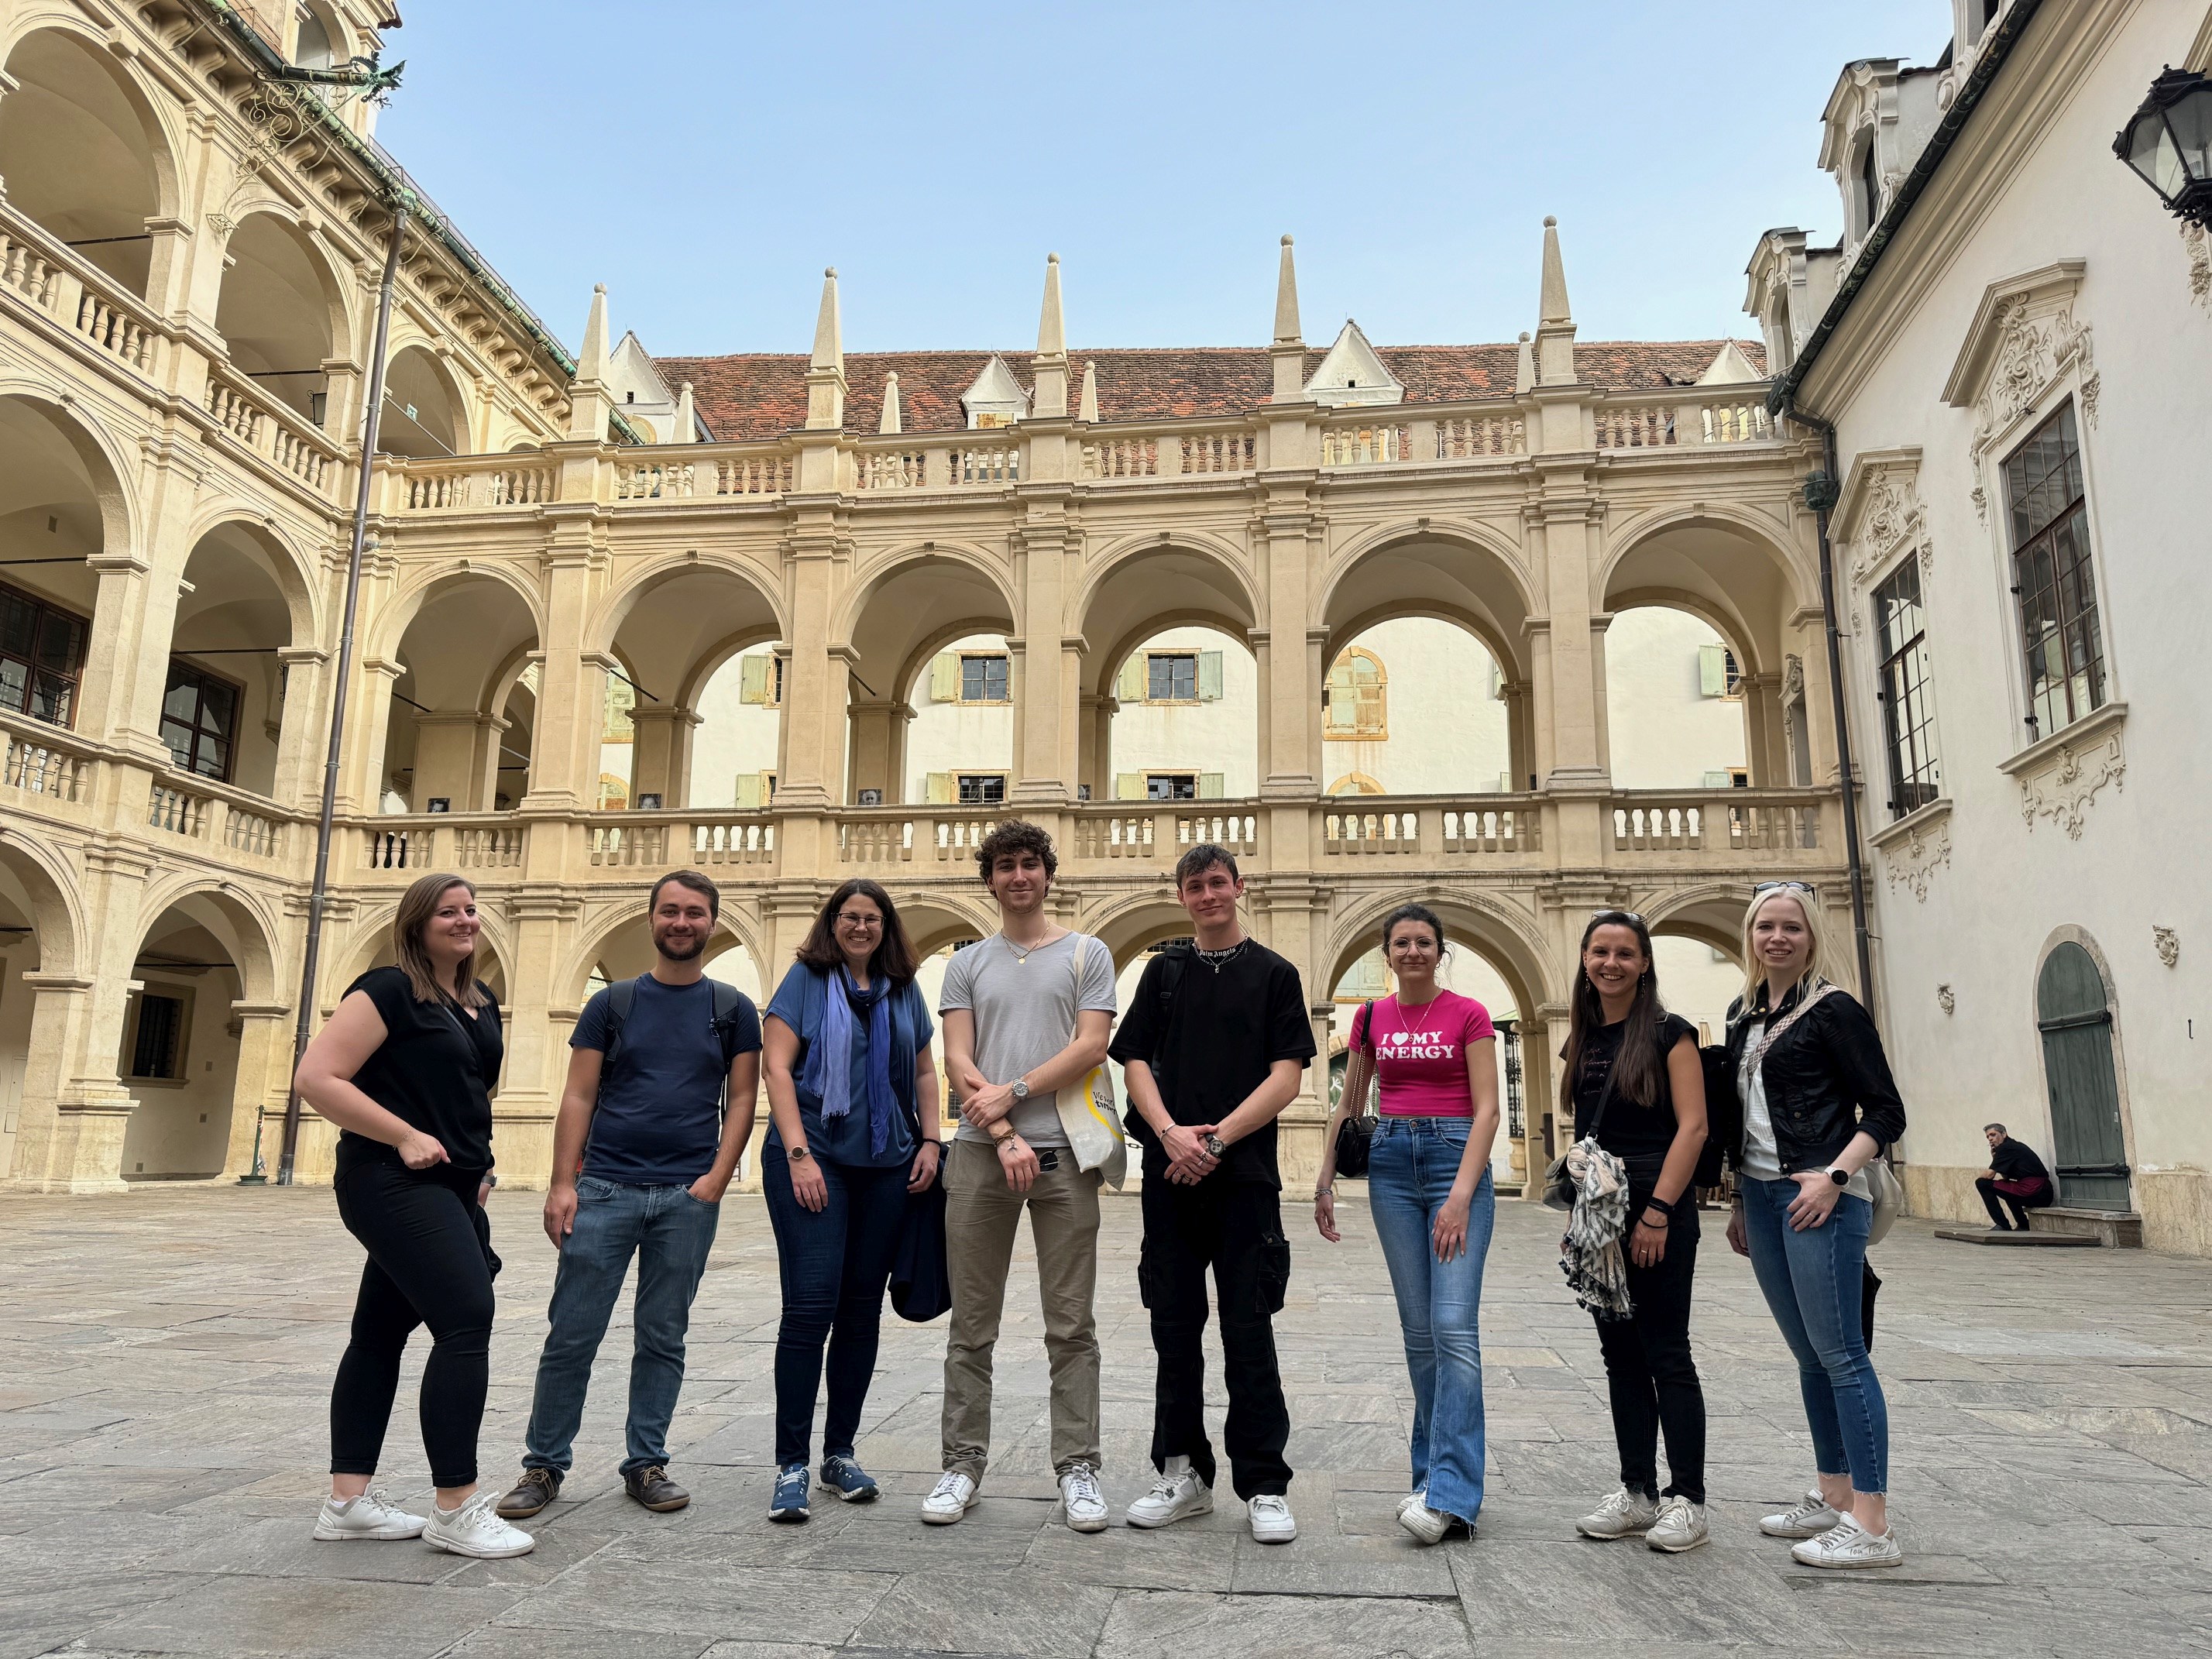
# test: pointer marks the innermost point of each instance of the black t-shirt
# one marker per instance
(2014, 1160)
(1213, 1046)
(1635, 1135)
(434, 1071)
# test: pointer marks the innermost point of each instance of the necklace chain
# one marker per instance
(1218, 959)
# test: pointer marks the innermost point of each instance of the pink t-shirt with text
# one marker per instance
(1421, 1057)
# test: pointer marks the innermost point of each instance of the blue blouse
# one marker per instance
(798, 1003)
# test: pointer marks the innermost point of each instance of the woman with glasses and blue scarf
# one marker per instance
(853, 1096)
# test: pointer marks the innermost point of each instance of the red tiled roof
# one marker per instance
(764, 394)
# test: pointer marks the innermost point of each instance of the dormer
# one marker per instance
(1788, 286)
(1351, 373)
(1970, 23)
(640, 395)
(1730, 366)
(996, 399)
(1879, 118)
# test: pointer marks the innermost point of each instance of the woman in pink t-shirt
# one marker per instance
(1428, 1187)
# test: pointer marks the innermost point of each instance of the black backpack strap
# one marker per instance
(728, 999)
(622, 997)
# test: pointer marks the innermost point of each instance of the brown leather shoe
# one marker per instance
(652, 1487)
(536, 1488)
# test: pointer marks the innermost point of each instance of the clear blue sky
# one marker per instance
(706, 160)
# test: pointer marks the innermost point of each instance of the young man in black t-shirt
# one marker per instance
(1212, 1049)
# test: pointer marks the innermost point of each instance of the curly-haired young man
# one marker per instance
(1025, 1013)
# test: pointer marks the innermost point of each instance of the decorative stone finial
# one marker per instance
(1286, 298)
(825, 372)
(687, 420)
(1524, 366)
(890, 421)
(1087, 409)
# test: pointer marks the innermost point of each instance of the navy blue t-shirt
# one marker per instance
(658, 1121)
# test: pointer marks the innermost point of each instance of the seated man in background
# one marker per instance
(2016, 1175)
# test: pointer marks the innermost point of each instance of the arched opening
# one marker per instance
(1171, 701)
(2074, 1017)
(904, 621)
(424, 415)
(320, 37)
(58, 501)
(82, 156)
(1674, 702)
(279, 313)
(1753, 602)
(457, 737)
(1184, 723)
(672, 637)
(36, 938)
(1416, 706)
(738, 745)
(222, 706)
(178, 1058)
(1441, 617)
(960, 747)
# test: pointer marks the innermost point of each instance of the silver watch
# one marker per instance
(1019, 1088)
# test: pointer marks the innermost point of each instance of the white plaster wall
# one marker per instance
(1447, 731)
(1664, 733)
(1220, 736)
(734, 736)
(1989, 914)
(958, 736)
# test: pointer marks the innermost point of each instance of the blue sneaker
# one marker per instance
(848, 1479)
(789, 1503)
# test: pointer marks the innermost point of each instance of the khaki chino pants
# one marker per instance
(981, 1215)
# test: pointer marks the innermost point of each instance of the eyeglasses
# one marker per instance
(1765, 887)
(855, 919)
(1617, 915)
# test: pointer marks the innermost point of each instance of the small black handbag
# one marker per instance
(1356, 1134)
(921, 1283)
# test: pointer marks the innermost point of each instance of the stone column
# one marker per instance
(570, 716)
(540, 1013)
(1095, 747)
(264, 1080)
(1765, 751)
(660, 758)
(878, 734)
(1520, 744)
(300, 740)
(1047, 665)
(361, 767)
(67, 1138)
(448, 759)
(1292, 916)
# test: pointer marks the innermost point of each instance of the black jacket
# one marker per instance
(1827, 1079)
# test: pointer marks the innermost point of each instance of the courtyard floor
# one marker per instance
(166, 1358)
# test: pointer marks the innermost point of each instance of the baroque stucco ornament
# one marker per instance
(1912, 861)
(2167, 943)
(2027, 341)
(1947, 999)
(1894, 515)
(2198, 247)
(2062, 789)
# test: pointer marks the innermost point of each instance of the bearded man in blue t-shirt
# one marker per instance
(642, 1152)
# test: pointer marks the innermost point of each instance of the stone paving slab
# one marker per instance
(165, 1366)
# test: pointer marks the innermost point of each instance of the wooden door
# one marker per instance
(2076, 1019)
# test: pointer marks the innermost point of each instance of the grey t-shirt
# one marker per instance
(1025, 1014)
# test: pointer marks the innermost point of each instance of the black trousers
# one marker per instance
(1237, 1231)
(2019, 1206)
(430, 1262)
(1649, 1374)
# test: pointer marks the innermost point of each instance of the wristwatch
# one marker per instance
(1019, 1088)
(1841, 1177)
(1215, 1147)
(798, 1154)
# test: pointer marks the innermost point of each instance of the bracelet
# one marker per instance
(1655, 1226)
(1655, 1202)
(1324, 1192)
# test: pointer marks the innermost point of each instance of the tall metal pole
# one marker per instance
(319, 897)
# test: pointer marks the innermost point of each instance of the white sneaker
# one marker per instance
(1427, 1525)
(1680, 1526)
(1084, 1504)
(1178, 1493)
(1808, 1520)
(1847, 1543)
(1411, 1498)
(1624, 1515)
(371, 1514)
(474, 1529)
(952, 1497)
(1269, 1512)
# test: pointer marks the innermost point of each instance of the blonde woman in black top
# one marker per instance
(404, 1068)
(1631, 1076)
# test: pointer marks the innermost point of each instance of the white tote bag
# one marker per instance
(1087, 1112)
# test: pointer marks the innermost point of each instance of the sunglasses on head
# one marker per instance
(1617, 915)
(1767, 887)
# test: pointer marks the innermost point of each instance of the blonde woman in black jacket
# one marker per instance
(1819, 1104)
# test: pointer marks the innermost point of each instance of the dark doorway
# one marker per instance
(2076, 1018)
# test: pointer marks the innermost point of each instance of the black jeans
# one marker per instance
(1237, 1231)
(430, 1262)
(1991, 1196)
(1649, 1373)
(835, 1263)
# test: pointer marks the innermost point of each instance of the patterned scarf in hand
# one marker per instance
(1590, 1254)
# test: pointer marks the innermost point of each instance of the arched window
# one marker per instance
(1869, 183)
(1355, 703)
(1355, 783)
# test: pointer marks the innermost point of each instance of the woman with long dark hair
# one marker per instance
(405, 1068)
(1429, 1191)
(853, 1096)
(1629, 1076)
(1819, 1104)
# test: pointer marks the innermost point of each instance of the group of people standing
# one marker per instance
(658, 1106)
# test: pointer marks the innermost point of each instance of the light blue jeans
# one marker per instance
(1812, 1281)
(1410, 1170)
(670, 1232)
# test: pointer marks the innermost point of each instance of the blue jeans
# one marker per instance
(670, 1232)
(835, 1263)
(1812, 1281)
(1410, 1171)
